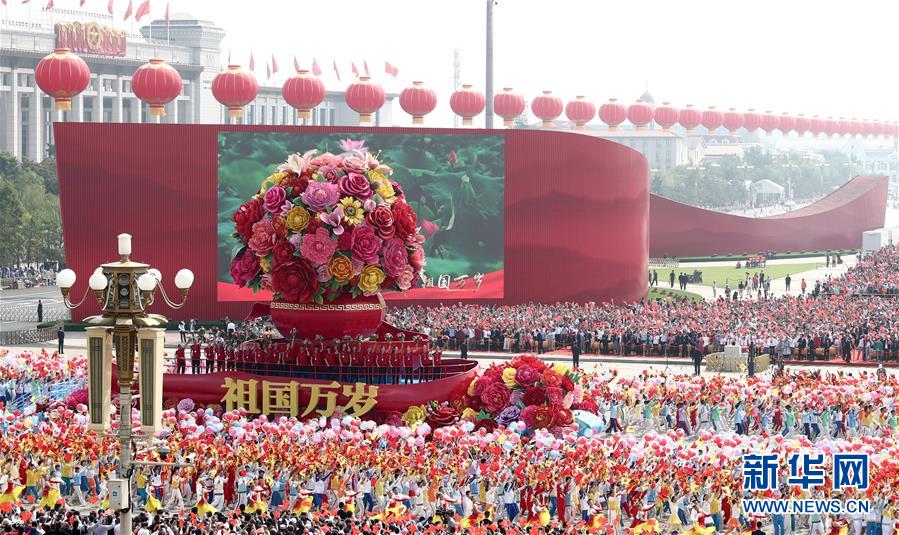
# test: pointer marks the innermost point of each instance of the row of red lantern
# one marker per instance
(62, 75)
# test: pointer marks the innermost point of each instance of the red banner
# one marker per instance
(90, 38)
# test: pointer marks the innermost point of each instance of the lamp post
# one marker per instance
(124, 290)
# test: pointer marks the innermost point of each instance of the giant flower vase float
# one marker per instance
(326, 234)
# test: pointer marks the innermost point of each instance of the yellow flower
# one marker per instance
(509, 377)
(471, 386)
(384, 188)
(265, 264)
(414, 414)
(297, 218)
(275, 178)
(353, 213)
(469, 414)
(340, 268)
(561, 369)
(370, 279)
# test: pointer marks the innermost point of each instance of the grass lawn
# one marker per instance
(734, 275)
(671, 294)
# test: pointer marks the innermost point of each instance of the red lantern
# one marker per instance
(817, 126)
(580, 111)
(235, 89)
(547, 107)
(770, 122)
(666, 116)
(157, 83)
(803, 124)
(304, 91)
(711, 119)
(689, 118)
(858, 127)
(786, 123)
(639, 114)
(62, 75)
(612, 113)
(832, 127)
(891, 130)
(365, 98)
(418, 101)
(467, 103)
(844, 126)
(752, 121)
(508, 105)
(732, 120)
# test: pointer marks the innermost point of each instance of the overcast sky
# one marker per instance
(830, 57)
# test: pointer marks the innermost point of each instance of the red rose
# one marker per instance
(280, 226)
(562, 417)
(567, 383)
(526, 376)
(487, 424)
(297, 185)
(528, 360)
(554, 395)
(543, 417)
(533, 395)
(245, 216)
(442, 417)
(381, 218)
(495, 397)
(296, 281)
(283, 252)
(345, 240)
(551, 378)
(403, 219)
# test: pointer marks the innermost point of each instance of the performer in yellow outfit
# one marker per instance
(257, 502)
(51, 496)
(12, 492)
(304, 503)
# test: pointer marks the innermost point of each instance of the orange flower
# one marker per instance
(551, 378)
(341, 268)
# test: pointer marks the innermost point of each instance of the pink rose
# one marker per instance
(526, 376)
(554, 395)
(382, 219)
(366, 245)
(495, 397)
(318, 247)
(264, 237)
(354, 185)
(274, 199)
(354, 164)
(329, 172)
(417, 257)
(405, 279)
(325, 159)
(244, 267)
(320, 195)
(394, 257)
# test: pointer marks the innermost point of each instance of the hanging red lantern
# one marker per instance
(857, 127)
(547, 107)
(304, 91)
(786, 123)
(817, 125)
(752, 121)
(612, 113)
(844, 126)
(508, 105)
(732, 120)
(234, 88)
(418, 101)
(711, 119)
(467, 103)
(802, 124)
(689, 118)
(770, 122)
(665, 116)
(157, 83)
(365, 98)
(639, 114)
(580, 111)
(890, 130)
(62, 75)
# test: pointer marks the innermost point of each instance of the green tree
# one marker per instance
(11, 221)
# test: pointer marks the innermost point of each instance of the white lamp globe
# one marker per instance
(156, 273)
(98, 282)
(98, 270)
(146, 282)
(65, 278)
(184, 279)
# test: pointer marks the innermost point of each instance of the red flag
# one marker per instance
(25, 1)
(3, 2)
(316, 69)
(49, 5)
(296, 64)
(166, 16)
(252, 62)
(128, 11)
(354, 69)
(390, 69)
(365, 65)
(143, 9)
(109, 7)
(274, 64)
(336, 72)
(82, 3)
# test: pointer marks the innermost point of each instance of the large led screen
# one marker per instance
(454, 182)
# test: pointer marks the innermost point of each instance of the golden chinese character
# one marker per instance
(240, 395)
(316, 395)
(363, 398)
(280, 398)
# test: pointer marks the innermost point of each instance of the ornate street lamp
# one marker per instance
(124, 290)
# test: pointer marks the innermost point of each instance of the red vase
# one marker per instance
(345, 316)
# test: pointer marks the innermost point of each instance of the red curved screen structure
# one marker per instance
(835, 222)
(576, 209)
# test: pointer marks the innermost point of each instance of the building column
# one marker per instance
(98, 100)
(117, 109)
(193, 105)
(14, 144)
(171, 112)
(135, 110)
(36, 125)
(78, 108)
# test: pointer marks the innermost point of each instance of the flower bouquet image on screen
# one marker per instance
(454, 184)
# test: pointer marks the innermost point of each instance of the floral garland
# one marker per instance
(328, 225)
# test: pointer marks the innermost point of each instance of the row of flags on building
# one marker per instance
(271, 67)
(143, 9)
